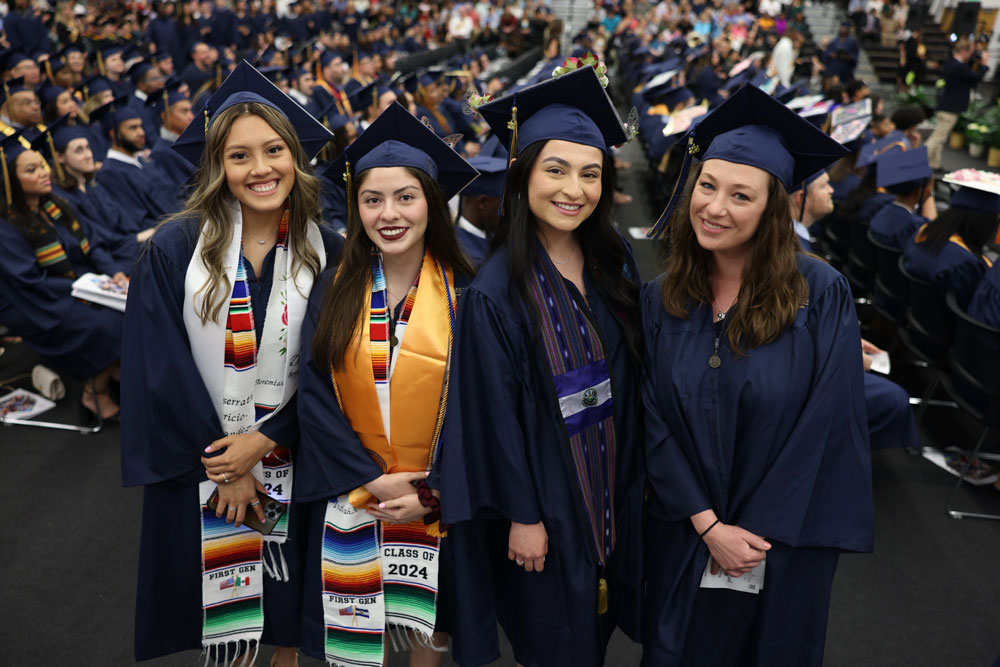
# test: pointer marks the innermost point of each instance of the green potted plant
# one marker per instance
(976, 134)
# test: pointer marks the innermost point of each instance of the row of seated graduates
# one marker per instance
(918, 253)
(118, 205)
(666, 77)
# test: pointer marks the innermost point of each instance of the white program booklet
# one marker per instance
(751, 582)
(99, 289)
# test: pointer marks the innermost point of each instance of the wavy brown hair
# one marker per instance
(344, 301)
(210, 202)
(772, 290)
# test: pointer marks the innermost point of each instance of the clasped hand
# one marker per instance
(735, 550)
(242, 453)
(527, 545)
(398, 501)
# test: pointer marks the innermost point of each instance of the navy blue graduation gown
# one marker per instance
(167, 421)
(142, 197)
(984, 305)
(476, 248)
(894, 225)
(177, 171)
(333, 461)
(77, 338)
(333, 200)
(874, 204)
(775, 442)
(504, 458)
(844, 187)
(954, 269)
(890, 417)
(97, 207)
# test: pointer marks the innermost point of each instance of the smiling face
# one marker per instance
(393, 209)
(33, 174)
(564, 186)
(260, 168)
(726, 205)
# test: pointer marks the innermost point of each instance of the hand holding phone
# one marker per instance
(273, 510)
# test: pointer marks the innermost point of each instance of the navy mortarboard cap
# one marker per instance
(874, 151)
(167, 97)
(106, 52)
(68, 49)
(12, 59)
(328, 57)
(93, 85)
(430, 77)
(44, 143)
(572, 107)
(754, 129)
(10, 147)
(63, 133)
(160, 56)
(12, 87)
(139, 69)
(273, 74)
(49, 93)
(492, 173)
(365, 96)
(493, 148)
(671, 96)
(397, 139)
(246, 84)
(114, 113)
(902, 167)
(979, 191)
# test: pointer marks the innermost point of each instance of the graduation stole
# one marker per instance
(49, 251)
(248, 383)
(377, 574)
(957, 240)
(582, 383)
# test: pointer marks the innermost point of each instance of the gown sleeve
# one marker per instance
(670, 472)
(483, 462)
(817, 490)
(43, 299)
(167, 414)
(331, 459)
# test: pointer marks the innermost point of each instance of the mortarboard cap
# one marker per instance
(246, 84)
(572, 107)
(898, 167)
(160, 56)
(874, 151)
(492, 173)
(139, 69)
(397, 139)
(12, 59)
(12, 87)
(979, 191)
(114, 113)
(366, 96)
(49, 93)
(754, 129)
(669, 96)
(11, 146)
(93, 85)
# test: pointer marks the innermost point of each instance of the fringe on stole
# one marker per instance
(404, 639)
(223, 648)
(274, 565)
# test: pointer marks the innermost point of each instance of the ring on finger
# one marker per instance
(232, 509)
(519, 562)
(255, 504)
(225, 478)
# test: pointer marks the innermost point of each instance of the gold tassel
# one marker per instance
(347, 177)
(48, 70)
(100, 65)
(512, 126)
(602, 596)
(206, 120)
(6, 175)
(55, 161)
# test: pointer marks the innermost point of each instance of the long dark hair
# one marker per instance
(20, 214)
(975, 228)
(772, 290)
(344, 300)
(604, 251)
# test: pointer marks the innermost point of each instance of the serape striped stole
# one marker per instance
(582, 384)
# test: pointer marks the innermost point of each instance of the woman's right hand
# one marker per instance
(394, 485)
(735, 550)
(236, 497)
(527, 545)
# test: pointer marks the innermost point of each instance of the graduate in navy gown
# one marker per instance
(984, 305)
(479, 208)
(174, 110)
(376, 345)
(43, 249)
(209, 378)
(756, 444)
(948, 251)
(540, 475)
(907, 176)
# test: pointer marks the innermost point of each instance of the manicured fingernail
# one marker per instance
(427, 474)
(209, 448)
(381, 505)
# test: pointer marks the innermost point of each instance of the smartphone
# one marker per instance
(273, 510)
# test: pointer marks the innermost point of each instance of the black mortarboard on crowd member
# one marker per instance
(754, 129)
(246, 84)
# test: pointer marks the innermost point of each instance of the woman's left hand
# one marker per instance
(242, 453)
(121, 280)
(404, 509)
